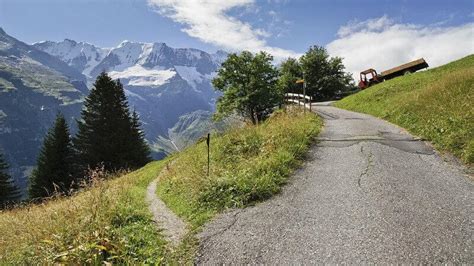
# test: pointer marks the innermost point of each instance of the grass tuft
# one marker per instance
(108, 222)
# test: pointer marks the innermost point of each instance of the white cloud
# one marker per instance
(209, 21)
(376, 24)
(382, 44)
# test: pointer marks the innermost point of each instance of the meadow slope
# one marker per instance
(437, 105)
(109, 221)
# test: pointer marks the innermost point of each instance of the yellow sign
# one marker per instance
(300, 81)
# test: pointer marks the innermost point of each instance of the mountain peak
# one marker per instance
(72, 42)
(142, 44)
(125, 43)
(2, 31)
(80, 55)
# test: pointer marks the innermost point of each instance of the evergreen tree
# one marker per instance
(139, 149)
(108, 134)
(8, 190)
(53, 172)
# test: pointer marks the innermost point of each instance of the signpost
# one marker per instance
(304, 93)
(208, 142)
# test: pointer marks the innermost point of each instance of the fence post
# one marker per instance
(304, 96)
(208, 141)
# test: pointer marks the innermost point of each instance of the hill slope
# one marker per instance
(436, 105)
(34, 86)
(110, 221)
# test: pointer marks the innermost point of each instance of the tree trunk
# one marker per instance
(252, 116)
(256, 117)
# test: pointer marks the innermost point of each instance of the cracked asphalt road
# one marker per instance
(368, 193)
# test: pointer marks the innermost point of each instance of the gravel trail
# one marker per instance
(173, 228)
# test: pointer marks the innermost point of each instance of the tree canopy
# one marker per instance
(325, 76)
(248, 83)
(290, 72)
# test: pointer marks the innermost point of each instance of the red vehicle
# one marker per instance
(370, 77)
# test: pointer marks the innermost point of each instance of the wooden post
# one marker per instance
(304, 96)
(208, 141)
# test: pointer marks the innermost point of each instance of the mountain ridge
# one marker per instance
(34, 87)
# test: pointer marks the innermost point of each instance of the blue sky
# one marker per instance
(300, 23)
(281, 27)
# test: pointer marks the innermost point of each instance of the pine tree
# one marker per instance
(108, 135)
(138, 147)
(53, 172)
(8, 190)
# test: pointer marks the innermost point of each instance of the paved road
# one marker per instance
(369, 193)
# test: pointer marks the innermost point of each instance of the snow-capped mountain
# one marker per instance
(162, 83)
(81, 56)
(139, 64)
(154, 64)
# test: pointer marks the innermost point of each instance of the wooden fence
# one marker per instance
(299, 99)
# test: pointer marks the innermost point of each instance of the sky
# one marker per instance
(366, 33)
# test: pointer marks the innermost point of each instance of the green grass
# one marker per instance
(108, 222)
(248, 165)
(437, 105)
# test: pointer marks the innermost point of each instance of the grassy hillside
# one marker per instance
(247, 165)
(437, 105)
(110, 221)
(107, 222)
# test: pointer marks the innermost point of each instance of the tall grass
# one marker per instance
(108, 222)
(437, 105)
(247, 165)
